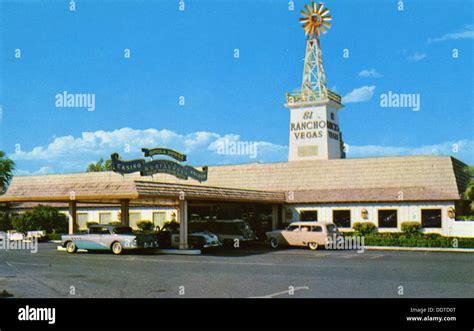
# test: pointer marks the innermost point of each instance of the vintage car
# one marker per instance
(228, 231)
(200, 239)
(116, 238)
(309, 234)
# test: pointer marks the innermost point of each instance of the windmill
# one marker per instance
(315, 21)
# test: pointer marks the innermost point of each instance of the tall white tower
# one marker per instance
(314, 120)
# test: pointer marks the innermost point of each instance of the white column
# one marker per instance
(72, 217)
(274, 217)
(183, 224)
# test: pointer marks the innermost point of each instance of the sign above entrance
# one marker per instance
(149, 168)
(164, 151)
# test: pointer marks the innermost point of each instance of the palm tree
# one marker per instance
(6, 171)
(100, 166)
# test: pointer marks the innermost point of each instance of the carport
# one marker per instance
(73, 192)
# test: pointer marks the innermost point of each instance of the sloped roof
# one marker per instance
(344, 180)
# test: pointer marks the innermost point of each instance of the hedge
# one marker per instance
(421, 240)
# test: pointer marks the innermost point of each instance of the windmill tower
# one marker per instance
(314, 124)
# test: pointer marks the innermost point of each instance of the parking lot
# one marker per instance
(251, 272)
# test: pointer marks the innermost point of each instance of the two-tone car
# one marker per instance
(116, 238)
(308, 234)
(228, 231)
(168, 236)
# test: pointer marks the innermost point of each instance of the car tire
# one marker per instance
(274, 243)
(71, 247)
(117, 248)
(313, 246)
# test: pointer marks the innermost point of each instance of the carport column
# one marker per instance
(274, 217)
(124, 212)
(183, 224)
(72, 216)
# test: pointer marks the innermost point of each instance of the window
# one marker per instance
(309, 215)
(305, 229)
(388, 218)
(105, 218)
(99, 230)
(331, 228)
(122, 230)
(317, 229)
(332, 116)
(342, 218)
(293, 228)
(159, 218)
(82, 219)
(134, 218)
(431, 218)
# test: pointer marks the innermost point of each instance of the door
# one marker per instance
(306, 235)
(290, 235)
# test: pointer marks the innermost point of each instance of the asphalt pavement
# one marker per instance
(244, 273)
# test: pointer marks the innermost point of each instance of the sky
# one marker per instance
(219, 70)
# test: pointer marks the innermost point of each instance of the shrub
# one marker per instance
(411, 229)
(40, 217)
(115, 223)
(364, 228)
(145, 225)
(172, 225)
(89, 223)
(5, 221)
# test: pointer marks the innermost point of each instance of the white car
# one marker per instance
(309, 234)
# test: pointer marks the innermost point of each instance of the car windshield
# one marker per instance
(331, 228)
(122, 230)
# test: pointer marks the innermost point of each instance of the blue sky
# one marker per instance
(190, 53)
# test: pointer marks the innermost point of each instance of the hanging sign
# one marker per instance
(148, 168)
(164, 151)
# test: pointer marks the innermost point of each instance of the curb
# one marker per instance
(156, 251)
(63, 249)
(422, 249)
(178, 251)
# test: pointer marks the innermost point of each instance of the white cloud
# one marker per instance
(462, 149)
(40, 171)
(467, 33)
(360, 94)
(69, 153)
(416, 57)
(372, 73)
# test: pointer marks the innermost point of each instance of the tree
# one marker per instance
(40, 218)
(469, 193)
(100, 166)
(6, 171)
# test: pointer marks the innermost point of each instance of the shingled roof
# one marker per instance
(408, 178)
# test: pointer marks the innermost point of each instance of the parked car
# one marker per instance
(15, 236)
(310, 234)
(227, 230)
(39, 235)
(116, 238)
(197, 238)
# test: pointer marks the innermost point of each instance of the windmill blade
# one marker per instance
(327, 18)
(302, 12)
(313, 4)
(320, 8)
(304, 20)
(326, 24)
(308, 8)
(324, 12)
